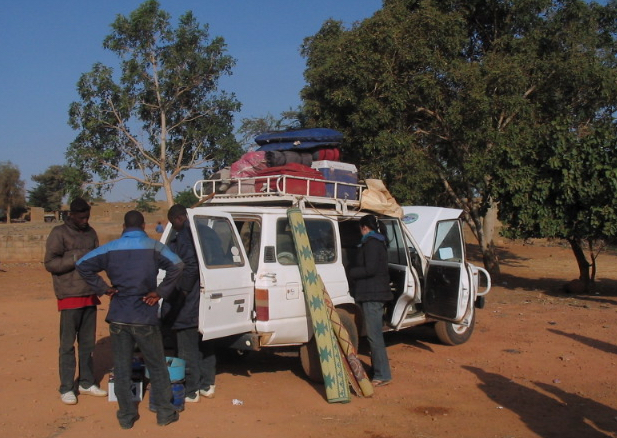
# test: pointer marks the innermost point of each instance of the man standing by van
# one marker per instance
(132, 263)
(199, 355)
(66, 244)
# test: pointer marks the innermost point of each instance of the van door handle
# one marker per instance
(216, 296)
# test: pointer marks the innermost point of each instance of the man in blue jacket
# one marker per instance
(132, 263)
(184, 314)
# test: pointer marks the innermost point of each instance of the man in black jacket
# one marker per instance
(184, 314)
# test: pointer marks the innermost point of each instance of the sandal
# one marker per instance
(377, 383)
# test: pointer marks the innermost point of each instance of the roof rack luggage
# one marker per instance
(280, 190)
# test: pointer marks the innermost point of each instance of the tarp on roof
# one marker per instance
(311, 135)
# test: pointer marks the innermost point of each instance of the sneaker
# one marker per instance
(175, 417)
(208, 393)
(69, 398)
(93, 390)
(194, 399)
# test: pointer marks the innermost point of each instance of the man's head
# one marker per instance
(134, 219)
(177, 216)
(79, 213)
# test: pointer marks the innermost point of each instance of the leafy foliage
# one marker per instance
(251, 127)
(445, 93)
(164, 113)
(146, 203)
(52, 186)
(186, 197)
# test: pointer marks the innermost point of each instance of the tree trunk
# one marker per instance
(581, 260)
(484, 230)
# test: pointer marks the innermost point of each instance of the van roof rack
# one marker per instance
(279, 190)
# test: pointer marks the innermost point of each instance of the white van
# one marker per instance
(251, 291)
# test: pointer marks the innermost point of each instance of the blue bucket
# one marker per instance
(177, 389)
(176, 368)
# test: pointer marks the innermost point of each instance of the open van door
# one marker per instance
(447, 291)
(226, 288)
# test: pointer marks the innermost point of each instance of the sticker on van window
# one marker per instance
(410, 218)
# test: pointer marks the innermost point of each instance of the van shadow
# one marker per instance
(563, 414)
(267, 360)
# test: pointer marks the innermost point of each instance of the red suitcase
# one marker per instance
(294, 181)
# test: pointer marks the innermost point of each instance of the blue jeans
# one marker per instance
(80, 325)
(200, 360)
(373, 318)
(148, 338)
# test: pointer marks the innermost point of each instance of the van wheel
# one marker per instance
(309, 355)
(455, 334)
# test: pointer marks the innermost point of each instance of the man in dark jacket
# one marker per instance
(77, 303)
(132, 263)
(199, 355)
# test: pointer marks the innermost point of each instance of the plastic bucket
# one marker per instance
(177, 390)
(176, 368)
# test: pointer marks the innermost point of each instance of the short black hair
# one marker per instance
(133, 219)
(175, 211)
(79, 205)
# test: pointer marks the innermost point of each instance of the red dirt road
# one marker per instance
(541, 363)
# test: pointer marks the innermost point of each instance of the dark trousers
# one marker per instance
(77, 325)
(200, 360)
(148, 338)
(373, 318)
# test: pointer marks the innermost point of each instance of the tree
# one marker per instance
(50, 189)
(164, 114)
(441, 91)
(186, 197)
(560, 182)
(252, 127)
(12, 195)
(146, 204)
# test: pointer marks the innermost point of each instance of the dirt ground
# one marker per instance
(541, 363)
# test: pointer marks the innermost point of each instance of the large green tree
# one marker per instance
(12, 194)
(560, 180)
(164, 113)
(440, 91)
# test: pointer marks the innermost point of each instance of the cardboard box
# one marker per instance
(137, 388)
(340, 172)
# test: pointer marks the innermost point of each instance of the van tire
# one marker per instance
(309, 355)
(455, 334)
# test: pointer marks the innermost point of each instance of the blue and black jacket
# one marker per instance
(132, 263)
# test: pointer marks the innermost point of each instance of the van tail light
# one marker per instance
(262, 307)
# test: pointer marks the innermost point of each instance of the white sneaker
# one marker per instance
(192, 400)
(93, 390)
(208, 393)
(68, 398)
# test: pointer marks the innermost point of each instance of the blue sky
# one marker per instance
(45, 45)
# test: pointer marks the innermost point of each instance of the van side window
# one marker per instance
(250, 233)
(218, 242)
(320, 234)
(448, 243)
(397, 247)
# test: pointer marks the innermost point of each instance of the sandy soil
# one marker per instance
(541, 363)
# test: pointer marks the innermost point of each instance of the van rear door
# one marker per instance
(227, 288)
